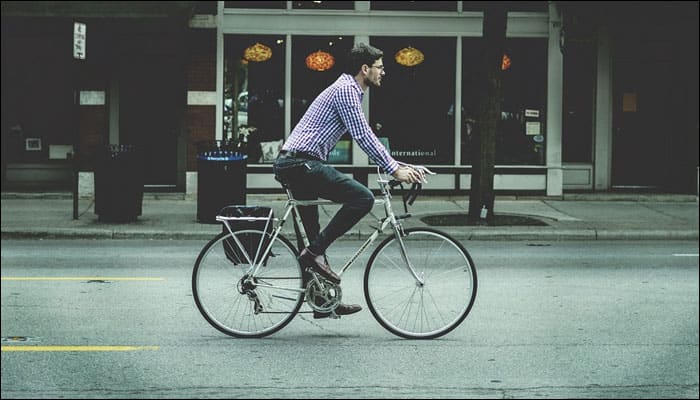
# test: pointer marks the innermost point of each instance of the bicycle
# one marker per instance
(419, 283)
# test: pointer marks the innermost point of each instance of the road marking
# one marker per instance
(685, 255)
(77, 278)
(79, 348)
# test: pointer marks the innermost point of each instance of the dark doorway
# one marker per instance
(655, 96)
(641, 137)
(150, 112)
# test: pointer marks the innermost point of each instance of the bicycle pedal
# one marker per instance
(329, 315)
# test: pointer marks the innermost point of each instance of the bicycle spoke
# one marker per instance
(242, 305)
(427, 310)
(392, 261)
(438, 274)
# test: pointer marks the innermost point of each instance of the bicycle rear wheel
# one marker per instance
(411, 310)
(243, 306)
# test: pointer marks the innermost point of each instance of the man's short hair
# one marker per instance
(362, 54)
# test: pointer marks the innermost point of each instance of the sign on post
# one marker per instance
(79, 37)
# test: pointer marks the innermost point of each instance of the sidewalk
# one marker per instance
(172, 216)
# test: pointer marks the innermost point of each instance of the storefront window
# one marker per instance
(414, 5)
(317, 62)
(254, 94)
(324, 5)
(413, 108)
(38, 111)
(510, 5)
(579, 87)
(520, 136)
(303, 5)
(256, 4)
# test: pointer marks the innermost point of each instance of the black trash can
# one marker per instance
(119, 183)
(221, 179)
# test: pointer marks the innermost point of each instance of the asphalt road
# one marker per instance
(551, 319)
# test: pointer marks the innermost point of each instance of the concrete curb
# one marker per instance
(465, 234)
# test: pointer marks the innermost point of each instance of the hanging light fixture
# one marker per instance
(409, 57)
(505, 64)
(257, 53)
(320, 61)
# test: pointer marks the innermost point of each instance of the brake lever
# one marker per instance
(413, 193)
(404, 197)
(394, 183)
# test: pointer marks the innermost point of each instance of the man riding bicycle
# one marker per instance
(301, 164)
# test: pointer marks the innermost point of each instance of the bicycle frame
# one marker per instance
(292, 204)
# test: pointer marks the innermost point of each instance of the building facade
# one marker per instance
(594, 97)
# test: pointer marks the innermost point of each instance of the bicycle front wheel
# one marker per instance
(414, 310)
(237, 303)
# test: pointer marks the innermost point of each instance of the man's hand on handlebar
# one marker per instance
(409, 175)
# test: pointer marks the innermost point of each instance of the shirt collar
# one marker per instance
(351, 80)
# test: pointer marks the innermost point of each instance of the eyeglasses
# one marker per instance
(379, 67)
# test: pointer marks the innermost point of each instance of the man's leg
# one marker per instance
(323, 181)
(356, 198)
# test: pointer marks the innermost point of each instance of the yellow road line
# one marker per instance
(78, 348)
(78, 278)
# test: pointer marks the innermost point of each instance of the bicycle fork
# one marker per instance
(399, 234)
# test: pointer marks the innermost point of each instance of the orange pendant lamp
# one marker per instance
(320, 61)
(505, 64)
(257, 53)
(409, 56)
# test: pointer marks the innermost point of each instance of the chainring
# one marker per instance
(324, 297)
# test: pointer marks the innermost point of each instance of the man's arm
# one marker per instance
(350, 111)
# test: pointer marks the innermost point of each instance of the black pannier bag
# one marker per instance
(248, 217)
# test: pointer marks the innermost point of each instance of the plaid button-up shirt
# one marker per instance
(338, 109)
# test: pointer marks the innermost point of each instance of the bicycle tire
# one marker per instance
(410, 310)
(227, 305)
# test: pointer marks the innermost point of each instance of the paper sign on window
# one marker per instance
(532, 128)
(629, 102)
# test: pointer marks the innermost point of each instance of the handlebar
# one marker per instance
(420, 168)
(409, 197)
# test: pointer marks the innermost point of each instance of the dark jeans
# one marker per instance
(312, 179)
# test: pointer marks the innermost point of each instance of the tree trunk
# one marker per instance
(489, 114)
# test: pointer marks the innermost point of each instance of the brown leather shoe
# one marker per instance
(342, 309)
(309, 259)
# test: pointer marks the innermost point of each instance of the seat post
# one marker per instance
(289, 193)
(299, 230)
